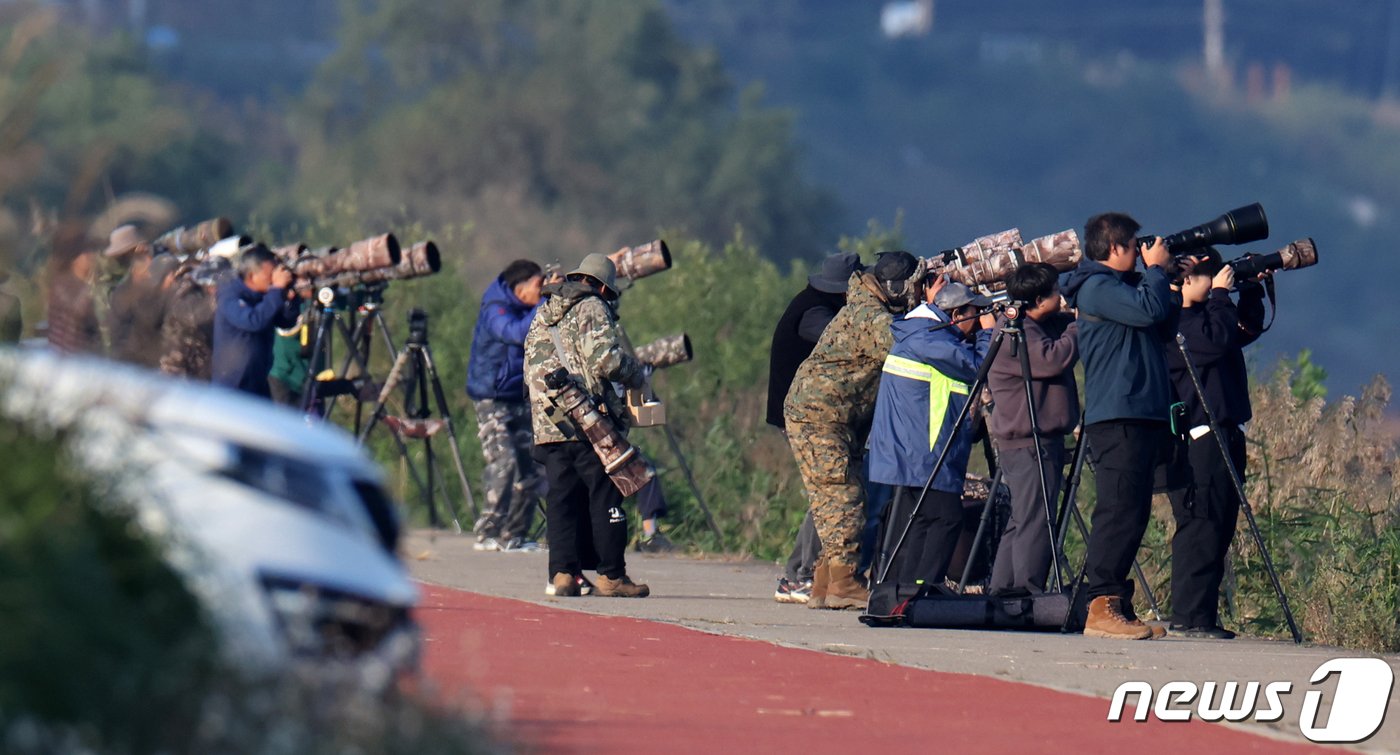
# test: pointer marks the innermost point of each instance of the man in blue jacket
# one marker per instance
(496, 383)
(923, 387)
(248, 311)
(1125, 318)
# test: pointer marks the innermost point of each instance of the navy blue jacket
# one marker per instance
(1216, 331)
(1125, 319)
(496, 368)
(923, 387)
(245, 323)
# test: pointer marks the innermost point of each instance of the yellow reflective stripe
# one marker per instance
(909, 368)
(940, 386)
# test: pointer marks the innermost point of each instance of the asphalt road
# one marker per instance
(735, 598)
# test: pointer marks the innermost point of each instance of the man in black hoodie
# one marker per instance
(1215, 330)
(1125, 318)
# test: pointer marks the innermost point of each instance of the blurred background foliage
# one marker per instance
(752, 138)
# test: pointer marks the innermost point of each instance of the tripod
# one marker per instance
(329, 320)
(417, 358)
(1239, 489)
(1014, 315)
(367, 317)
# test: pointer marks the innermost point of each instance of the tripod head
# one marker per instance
(1013, 311)
(368, 295)
(417, 327)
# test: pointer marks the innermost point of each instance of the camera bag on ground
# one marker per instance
(896, 605)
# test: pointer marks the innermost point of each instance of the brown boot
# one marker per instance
(565, 586)
(622, 587)
(1106, 620)
(819, 585)
(843, 589)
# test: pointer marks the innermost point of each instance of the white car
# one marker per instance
(281, 527)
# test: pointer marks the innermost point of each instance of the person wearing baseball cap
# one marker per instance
(938, 349)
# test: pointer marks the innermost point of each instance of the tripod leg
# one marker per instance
(1018, 347)
(395, 375)
(318, 351)
(441, 397)
(981, 530)
(1239, 491)
(689, 478)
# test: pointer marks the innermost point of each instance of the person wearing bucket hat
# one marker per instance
(796, 334)
(827, 413)
(577, 330)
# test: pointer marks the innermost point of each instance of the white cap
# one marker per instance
(226, 248)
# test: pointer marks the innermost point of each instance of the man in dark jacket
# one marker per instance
(1216, 331)
(1052, 349)
(923, 387)
(1125, 318)
(248, 311)
(794, 338)
(496, 384)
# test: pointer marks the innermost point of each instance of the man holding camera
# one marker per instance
(1052, 349)
(1125, 317)
(924, 384)
(248, 311)
(576, 329)
(496, 385)
(1215, 330)
(828, 412)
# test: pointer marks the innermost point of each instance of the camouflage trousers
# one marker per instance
(514, 482)
(829, 462)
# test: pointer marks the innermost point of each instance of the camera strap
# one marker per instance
(1273, 302)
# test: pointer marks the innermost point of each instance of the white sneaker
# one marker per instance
(584, 587)
(488, 544)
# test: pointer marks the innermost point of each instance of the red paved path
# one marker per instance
(576, 682)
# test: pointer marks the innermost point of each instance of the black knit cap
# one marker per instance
(894, 266)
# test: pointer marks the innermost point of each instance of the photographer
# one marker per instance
(496, 385)
(923, 386)
(1216, 330)
(796, 334)
(576, 329)
(248, 311)
(1052, 349)
(828, 412)
(1125, 317)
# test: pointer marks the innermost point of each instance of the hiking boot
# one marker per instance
(792, 592)
(1106, 620)
(656, 543)
(843, 589)
(584, 586)
(565, 586)
(622, 587)
(819, 585)
(1200, 633)
(488, 544)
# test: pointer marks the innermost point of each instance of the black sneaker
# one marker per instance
(793, 592)
(657, 543)
(1200, 633)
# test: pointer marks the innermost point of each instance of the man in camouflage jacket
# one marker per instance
(828, 412)
(579, 320)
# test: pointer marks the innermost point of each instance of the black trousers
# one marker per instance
(581, 494)
(928, 548)
(1206, 513)
(1125, 454)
